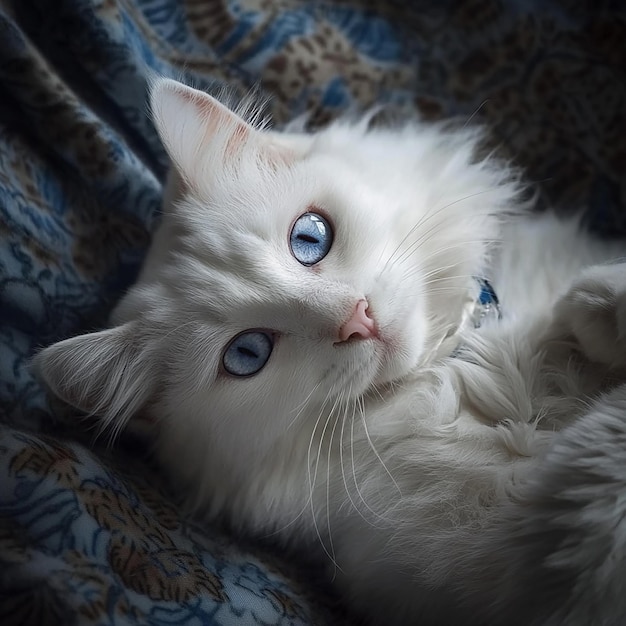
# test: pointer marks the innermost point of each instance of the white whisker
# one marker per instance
(476, 111)
(424, 220)
(373, 447)
(300, 408)
(328, 479)
(343, 470)
(313, 478)
(376, 514)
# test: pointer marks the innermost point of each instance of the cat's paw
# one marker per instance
(594, 311)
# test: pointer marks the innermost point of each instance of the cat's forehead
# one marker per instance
(246, 217)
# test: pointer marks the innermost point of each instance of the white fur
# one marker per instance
(415, 472)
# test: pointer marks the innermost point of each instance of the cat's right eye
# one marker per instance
(248, 353)
(311, 238)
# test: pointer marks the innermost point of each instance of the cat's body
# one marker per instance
(433, 465)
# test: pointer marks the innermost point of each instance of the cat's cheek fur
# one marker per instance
(246, 429)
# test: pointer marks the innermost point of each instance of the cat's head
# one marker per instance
(290, 271)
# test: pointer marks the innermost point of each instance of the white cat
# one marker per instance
(302, 346)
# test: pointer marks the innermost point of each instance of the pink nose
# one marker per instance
(360, 325)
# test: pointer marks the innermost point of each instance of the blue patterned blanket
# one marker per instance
(89, 535)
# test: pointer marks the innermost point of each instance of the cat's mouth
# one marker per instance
(356, 365)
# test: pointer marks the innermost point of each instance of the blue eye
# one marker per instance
(247, 353)
(311, 238)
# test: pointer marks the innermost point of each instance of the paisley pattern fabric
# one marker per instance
(82, 543)
(86, 536)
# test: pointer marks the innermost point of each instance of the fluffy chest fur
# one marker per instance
(298, 347)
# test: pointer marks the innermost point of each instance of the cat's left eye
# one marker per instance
(311, 238)
(248, 353)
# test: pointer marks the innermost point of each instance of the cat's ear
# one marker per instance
(105, 373)
(188, 121)
(195, 126)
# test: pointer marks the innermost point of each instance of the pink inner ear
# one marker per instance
(216, 117)
(211, 122)
(237, 139)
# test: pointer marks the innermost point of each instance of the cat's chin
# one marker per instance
(377, 363)
(396, 366)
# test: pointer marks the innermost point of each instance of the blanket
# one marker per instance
(89, 534)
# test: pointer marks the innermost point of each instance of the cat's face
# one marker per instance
(290, 272)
